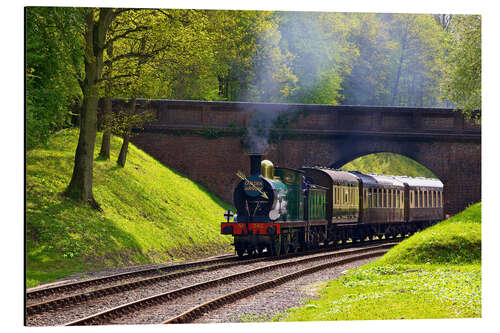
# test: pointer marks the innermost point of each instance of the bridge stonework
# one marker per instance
(205, 141)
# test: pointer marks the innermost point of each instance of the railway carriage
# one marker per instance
(424, 199)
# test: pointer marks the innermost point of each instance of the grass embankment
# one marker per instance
(435, 273)
(150, 213)
(389, 164)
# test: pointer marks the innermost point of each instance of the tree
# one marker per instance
(462, 81)
(320, 55)
(107, 114)
(53, 59)
(416, 71)
(368, 81)
(97, 22)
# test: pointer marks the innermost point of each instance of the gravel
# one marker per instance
(266, 304)
(275, 300)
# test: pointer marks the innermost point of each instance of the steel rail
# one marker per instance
(213, 304)
(41, 307)
(110, 314)
(62, 302)
(34, 293)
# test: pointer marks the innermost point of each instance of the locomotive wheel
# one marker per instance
(314, 241)
(260, 250)
(285, 245)
(275, 247)
(240, 252)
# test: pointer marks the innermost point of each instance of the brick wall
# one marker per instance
(439, 139)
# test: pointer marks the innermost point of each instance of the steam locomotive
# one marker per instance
(283, 209)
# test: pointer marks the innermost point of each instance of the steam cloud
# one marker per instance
(259, 129)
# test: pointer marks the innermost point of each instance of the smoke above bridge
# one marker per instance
(296, 44)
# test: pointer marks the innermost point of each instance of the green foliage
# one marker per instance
(150, 214)
(371, 75)
(462, 84)
(320, 58)
(415, 63)
(53, 57)
(455, 241)
(436, 273)
(319, 53)
(388, 164)
(124, 120)
(211, 132)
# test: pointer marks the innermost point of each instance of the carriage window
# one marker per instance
(440, 199)
(384, 198)
(419, 199)
(394, 201)
(426, 198)
(397, 199)
(433, 198)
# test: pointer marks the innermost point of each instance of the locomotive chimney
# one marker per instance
(255, 159)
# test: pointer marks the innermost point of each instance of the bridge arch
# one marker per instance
(422, 171)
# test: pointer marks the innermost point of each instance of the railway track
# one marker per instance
(37, 293)
(61, 296)
(101, 295)
(171, 300)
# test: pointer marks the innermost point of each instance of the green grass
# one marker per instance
(389, 164)
(435, 273)
(150, 213)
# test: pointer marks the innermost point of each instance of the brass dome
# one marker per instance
(267, 169)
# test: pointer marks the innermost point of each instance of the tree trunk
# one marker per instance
(80, 186)
(400, 65)
(108, 109)
(122, 157)
(106, 134)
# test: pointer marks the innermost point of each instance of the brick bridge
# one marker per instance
(205, 141)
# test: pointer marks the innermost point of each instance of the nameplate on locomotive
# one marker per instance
(253, 186)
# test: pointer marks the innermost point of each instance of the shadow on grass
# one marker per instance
(64, 237)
